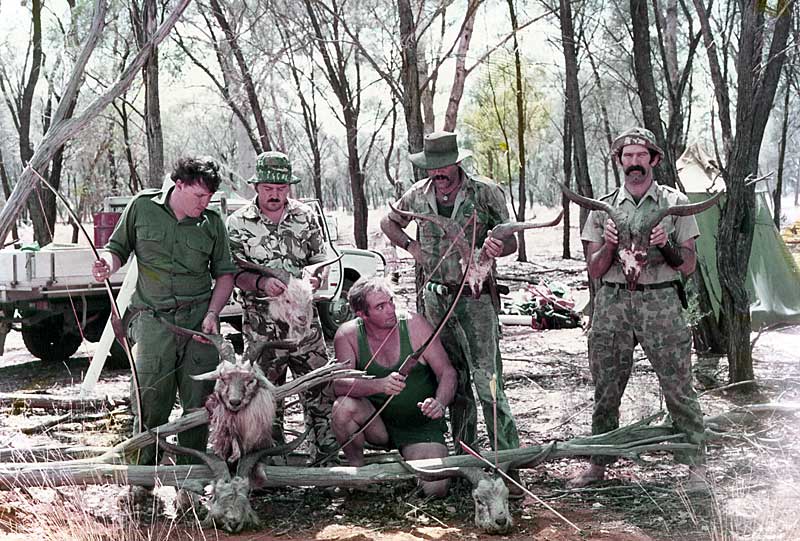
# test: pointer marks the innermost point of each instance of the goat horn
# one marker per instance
(214, 463)
(684, 210)
(432, 475)
(530, 463)
(246, 464)
(258, 350)
(316, 268)
(591, 204)
(452, 231)
(505, 230)
(278, 274)
(225, 348)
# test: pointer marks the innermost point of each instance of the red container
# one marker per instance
(104, 224)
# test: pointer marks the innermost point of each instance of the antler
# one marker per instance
(505, 230)
(278, 274)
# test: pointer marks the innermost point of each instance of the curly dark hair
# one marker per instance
(357, 295)
(192, 170)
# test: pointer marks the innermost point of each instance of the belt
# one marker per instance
(441, 289)
(642, 287)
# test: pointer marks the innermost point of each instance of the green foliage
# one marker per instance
(490, 121)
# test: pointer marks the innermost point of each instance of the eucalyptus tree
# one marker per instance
(758, 58)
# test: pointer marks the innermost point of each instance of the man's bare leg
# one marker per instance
(349, 415)
(593, 474)
(417, 451)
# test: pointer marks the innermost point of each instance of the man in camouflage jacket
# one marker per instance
(279, 232)
(649, 315)
(471, 336)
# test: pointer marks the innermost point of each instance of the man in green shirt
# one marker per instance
(186, 277)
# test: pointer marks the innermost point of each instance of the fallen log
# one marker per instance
(74, 473)
(58, 403)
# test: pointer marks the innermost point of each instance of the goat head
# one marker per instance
(634, 235)
(476, 264)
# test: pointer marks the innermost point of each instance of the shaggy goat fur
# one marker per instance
(240, 409)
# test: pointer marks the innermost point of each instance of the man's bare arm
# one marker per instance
(436, 357)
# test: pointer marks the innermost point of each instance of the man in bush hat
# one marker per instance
(279, 232)
(650, 314)
(471, 336)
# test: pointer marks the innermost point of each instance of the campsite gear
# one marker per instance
(773, 277)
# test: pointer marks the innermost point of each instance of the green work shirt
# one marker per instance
(477, 194)
(176, 259)
(679, 229)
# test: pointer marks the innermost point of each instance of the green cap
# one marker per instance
(440, 149)
(273, 167)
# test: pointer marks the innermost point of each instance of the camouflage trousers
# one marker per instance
(165, 363)
(471, 339)
(652, 318)
(317, 402)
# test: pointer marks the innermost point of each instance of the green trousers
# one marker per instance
(165, 363)
(471, 338)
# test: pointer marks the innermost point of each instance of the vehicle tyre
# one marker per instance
(49, 341)
(334, 313)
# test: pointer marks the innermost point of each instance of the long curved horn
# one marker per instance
(505, 230)
(258, 350)
(591, 204)
(437, 474)
(225, 348)
(317, 268)
(249, 461)
(217, 466)
(278, 274)
(684, 210)
(530, 463)
(452, 231)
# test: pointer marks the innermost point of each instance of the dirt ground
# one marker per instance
(754, 468)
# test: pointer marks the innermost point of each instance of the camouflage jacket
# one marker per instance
(291, 244)
(478, 194)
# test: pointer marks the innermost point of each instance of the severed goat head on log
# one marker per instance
(489, 490)
(481, 264)
(295, 306)
(634, 236)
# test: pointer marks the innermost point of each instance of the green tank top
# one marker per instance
(421, 382)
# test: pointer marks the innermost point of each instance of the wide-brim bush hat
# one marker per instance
(439, 149)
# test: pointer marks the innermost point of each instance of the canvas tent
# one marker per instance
(773, 278)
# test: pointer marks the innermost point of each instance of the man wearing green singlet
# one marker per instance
(378, 341)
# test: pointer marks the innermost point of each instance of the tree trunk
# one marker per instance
(566, 145)
(778, 193)
(757, 84)
(144, 23)
(574, 109)
(460, 75)
(6, 182)
(522, 155)
(646, 87)
(409, 75)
